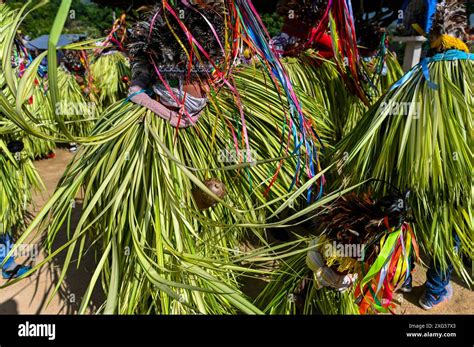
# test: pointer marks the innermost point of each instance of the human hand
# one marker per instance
(185, 121)
(177, 121)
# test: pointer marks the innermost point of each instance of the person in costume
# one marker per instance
(164, 208)
(159, 65)
(361, 251)
(419, 135)
(448, 31)
(21, 59)
(324, 59)
(110, 66)
(18, 176)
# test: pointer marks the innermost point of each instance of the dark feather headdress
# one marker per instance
(359, 219)
(162, 39)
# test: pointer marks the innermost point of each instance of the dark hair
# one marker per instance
(162, 46)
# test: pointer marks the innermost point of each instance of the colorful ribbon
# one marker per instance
(450, 55)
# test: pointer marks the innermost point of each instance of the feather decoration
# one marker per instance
(389, 244)
(190, 49)
(449, 30)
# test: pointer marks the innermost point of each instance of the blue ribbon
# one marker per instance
(135, 94)
(450, 55)
(429, 15)
(426, 73)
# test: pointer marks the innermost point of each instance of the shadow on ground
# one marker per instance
(76, 279)
(35, 294)
(9, 307)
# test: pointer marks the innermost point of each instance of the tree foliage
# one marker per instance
(84, 18)
(273, 22)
